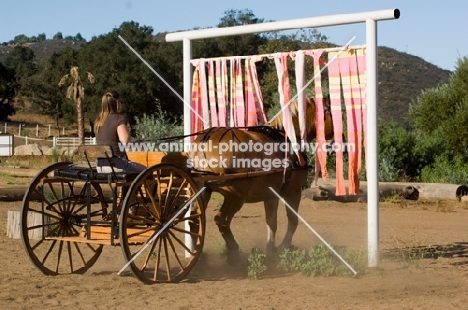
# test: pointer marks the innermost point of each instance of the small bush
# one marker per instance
(320, 261)
(256, 264)
(292, 259)
(157, 126)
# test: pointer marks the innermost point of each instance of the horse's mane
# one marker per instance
(310, 117)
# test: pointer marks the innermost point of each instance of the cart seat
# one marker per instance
(90, 173)
(81, 173)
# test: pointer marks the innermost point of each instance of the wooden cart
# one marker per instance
(157, 217)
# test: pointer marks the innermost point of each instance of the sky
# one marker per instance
(430, 29)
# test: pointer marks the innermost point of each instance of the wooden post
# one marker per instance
(14, 225)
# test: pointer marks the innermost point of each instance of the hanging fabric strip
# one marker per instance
(196, 122)
(249, 95)
(261, 116)
(281, 63)
(221, 92)
(335, 101)
(204, 94)
(212, 95)
(240, 106)
(348, 72)
(232, 94)
(320, 153)
(361, 63)
(301, 95)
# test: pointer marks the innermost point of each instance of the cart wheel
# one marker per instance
(53, 212)
(162, 224)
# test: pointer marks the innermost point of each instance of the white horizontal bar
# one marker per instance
(328, 50)
(311, 22)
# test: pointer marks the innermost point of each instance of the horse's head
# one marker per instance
(310, 118)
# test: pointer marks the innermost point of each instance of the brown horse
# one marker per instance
(250, 161)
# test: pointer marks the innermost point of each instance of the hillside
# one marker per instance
(42, 50)
(402, 76)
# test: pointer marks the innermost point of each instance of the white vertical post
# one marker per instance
(372, 160)
(5, 127)
(187, 70)
(19, 130)
(49, 130)
(37, 130)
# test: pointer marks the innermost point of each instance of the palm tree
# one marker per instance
(76, 92)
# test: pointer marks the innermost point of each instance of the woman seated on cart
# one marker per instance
(111, 129)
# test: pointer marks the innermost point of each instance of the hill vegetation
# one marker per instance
(402, 77)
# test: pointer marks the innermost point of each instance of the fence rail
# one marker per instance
(71, 142)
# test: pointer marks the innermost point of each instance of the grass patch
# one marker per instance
(318, 261)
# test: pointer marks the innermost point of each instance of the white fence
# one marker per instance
(71, 142)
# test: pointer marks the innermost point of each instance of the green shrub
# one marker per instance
(256, 264)
(445, 170)
(321, 261)
(156, 126)
(292, 259)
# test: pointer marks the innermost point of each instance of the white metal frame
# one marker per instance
(370, 19)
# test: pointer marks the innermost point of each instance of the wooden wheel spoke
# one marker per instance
(59, 255)
(153, 201)
(180, 242)
(40, 194)
(148, 256)
(168, 264)
(177, 194)
(78, 250)
(192, 217)
(70, 258)
(176, 256)
(141, 219)
(52, 246)
(40, 242)
(194, 234)
(140, 232)
(158, 261)
(57, 199)
(169, 187)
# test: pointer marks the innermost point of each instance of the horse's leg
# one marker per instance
(271, 217)
(223, 220)
(293, 198)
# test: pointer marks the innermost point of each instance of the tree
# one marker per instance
(78, 37)
(444, 110)
(7, 92)
(22, 60)
(21, 39)
(41, 37)
(115, 66)
(57, 36)
(76, 92)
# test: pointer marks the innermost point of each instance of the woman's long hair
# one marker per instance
(109, 105)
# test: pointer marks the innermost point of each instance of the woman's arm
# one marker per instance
(122, 132)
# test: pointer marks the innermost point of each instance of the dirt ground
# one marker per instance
(418, 283)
